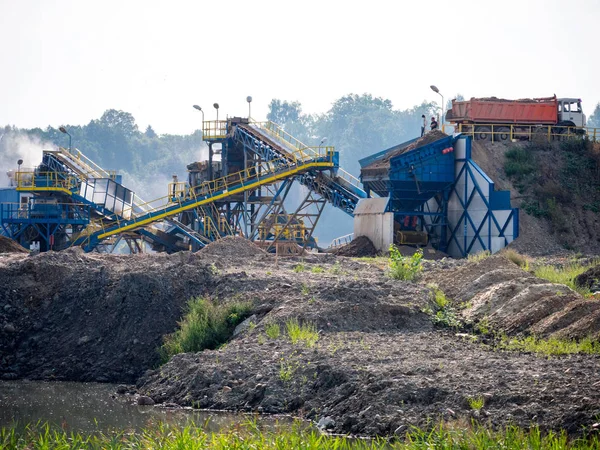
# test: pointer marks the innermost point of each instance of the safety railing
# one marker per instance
(67, 212)
(342, 240)
(508, 133)
(211, 188)
(304, 151)
(214, 129)
(349, 178)
(87, 167)
(45, 181)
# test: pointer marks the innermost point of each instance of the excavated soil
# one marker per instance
(516, 302)
(8, 245)
(378, 366)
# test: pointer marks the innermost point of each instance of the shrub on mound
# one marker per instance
(205, 325)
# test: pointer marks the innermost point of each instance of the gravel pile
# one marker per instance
(233, 246)
(9, 246)
(358, 248)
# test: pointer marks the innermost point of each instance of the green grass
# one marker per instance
(297, 436)
(272, 330)
(565, 275)
(302, 333)
(519, 162)
(478, 257)
(336, 269)
(402, 267)
(299, 268)
(317, 269)
(550, 347)
(476, 403)
(205, 325)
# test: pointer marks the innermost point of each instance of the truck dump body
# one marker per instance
(493, 110)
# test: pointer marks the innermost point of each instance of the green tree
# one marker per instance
(150, 133)
(594, 120)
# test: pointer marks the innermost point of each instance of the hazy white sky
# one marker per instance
(66, 62)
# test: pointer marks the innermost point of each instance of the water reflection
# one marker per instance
(87, 407)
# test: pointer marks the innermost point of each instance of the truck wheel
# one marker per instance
(502, 134)
(483, 134)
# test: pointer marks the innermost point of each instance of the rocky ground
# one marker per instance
(379, 365)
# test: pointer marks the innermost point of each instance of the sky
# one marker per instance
(66, 62)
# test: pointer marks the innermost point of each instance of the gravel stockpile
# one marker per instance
(359, 247)
(233, 246)
(9, 246)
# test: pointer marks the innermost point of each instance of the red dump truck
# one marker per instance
(501, 120)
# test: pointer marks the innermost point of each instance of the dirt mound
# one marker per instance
(384, 162)
(378, 367)
(589, 279)
(359, 247)
(75, 316)
(515, 301)
(233, 246)
(7, 245)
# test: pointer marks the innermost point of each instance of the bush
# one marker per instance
(519, 162)
(205, 325)
(442, 312)
(404, 267)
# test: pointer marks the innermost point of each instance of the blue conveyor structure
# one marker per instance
(242, 194)
(437, 191)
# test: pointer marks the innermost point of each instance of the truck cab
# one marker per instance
(570, 112)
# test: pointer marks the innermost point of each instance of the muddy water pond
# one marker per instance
(88, 407)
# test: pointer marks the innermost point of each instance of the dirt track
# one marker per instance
(379, 364)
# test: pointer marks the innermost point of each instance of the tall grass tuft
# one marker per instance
(517, 258)
(305, 332)
(565, 275)
(205, 325)
(478, 257)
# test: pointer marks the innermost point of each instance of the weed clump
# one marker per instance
(478, 257)
(404, 267)
(205, 325)
(517, 258)
(272, 330)
(442, 313)
(305, 332)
